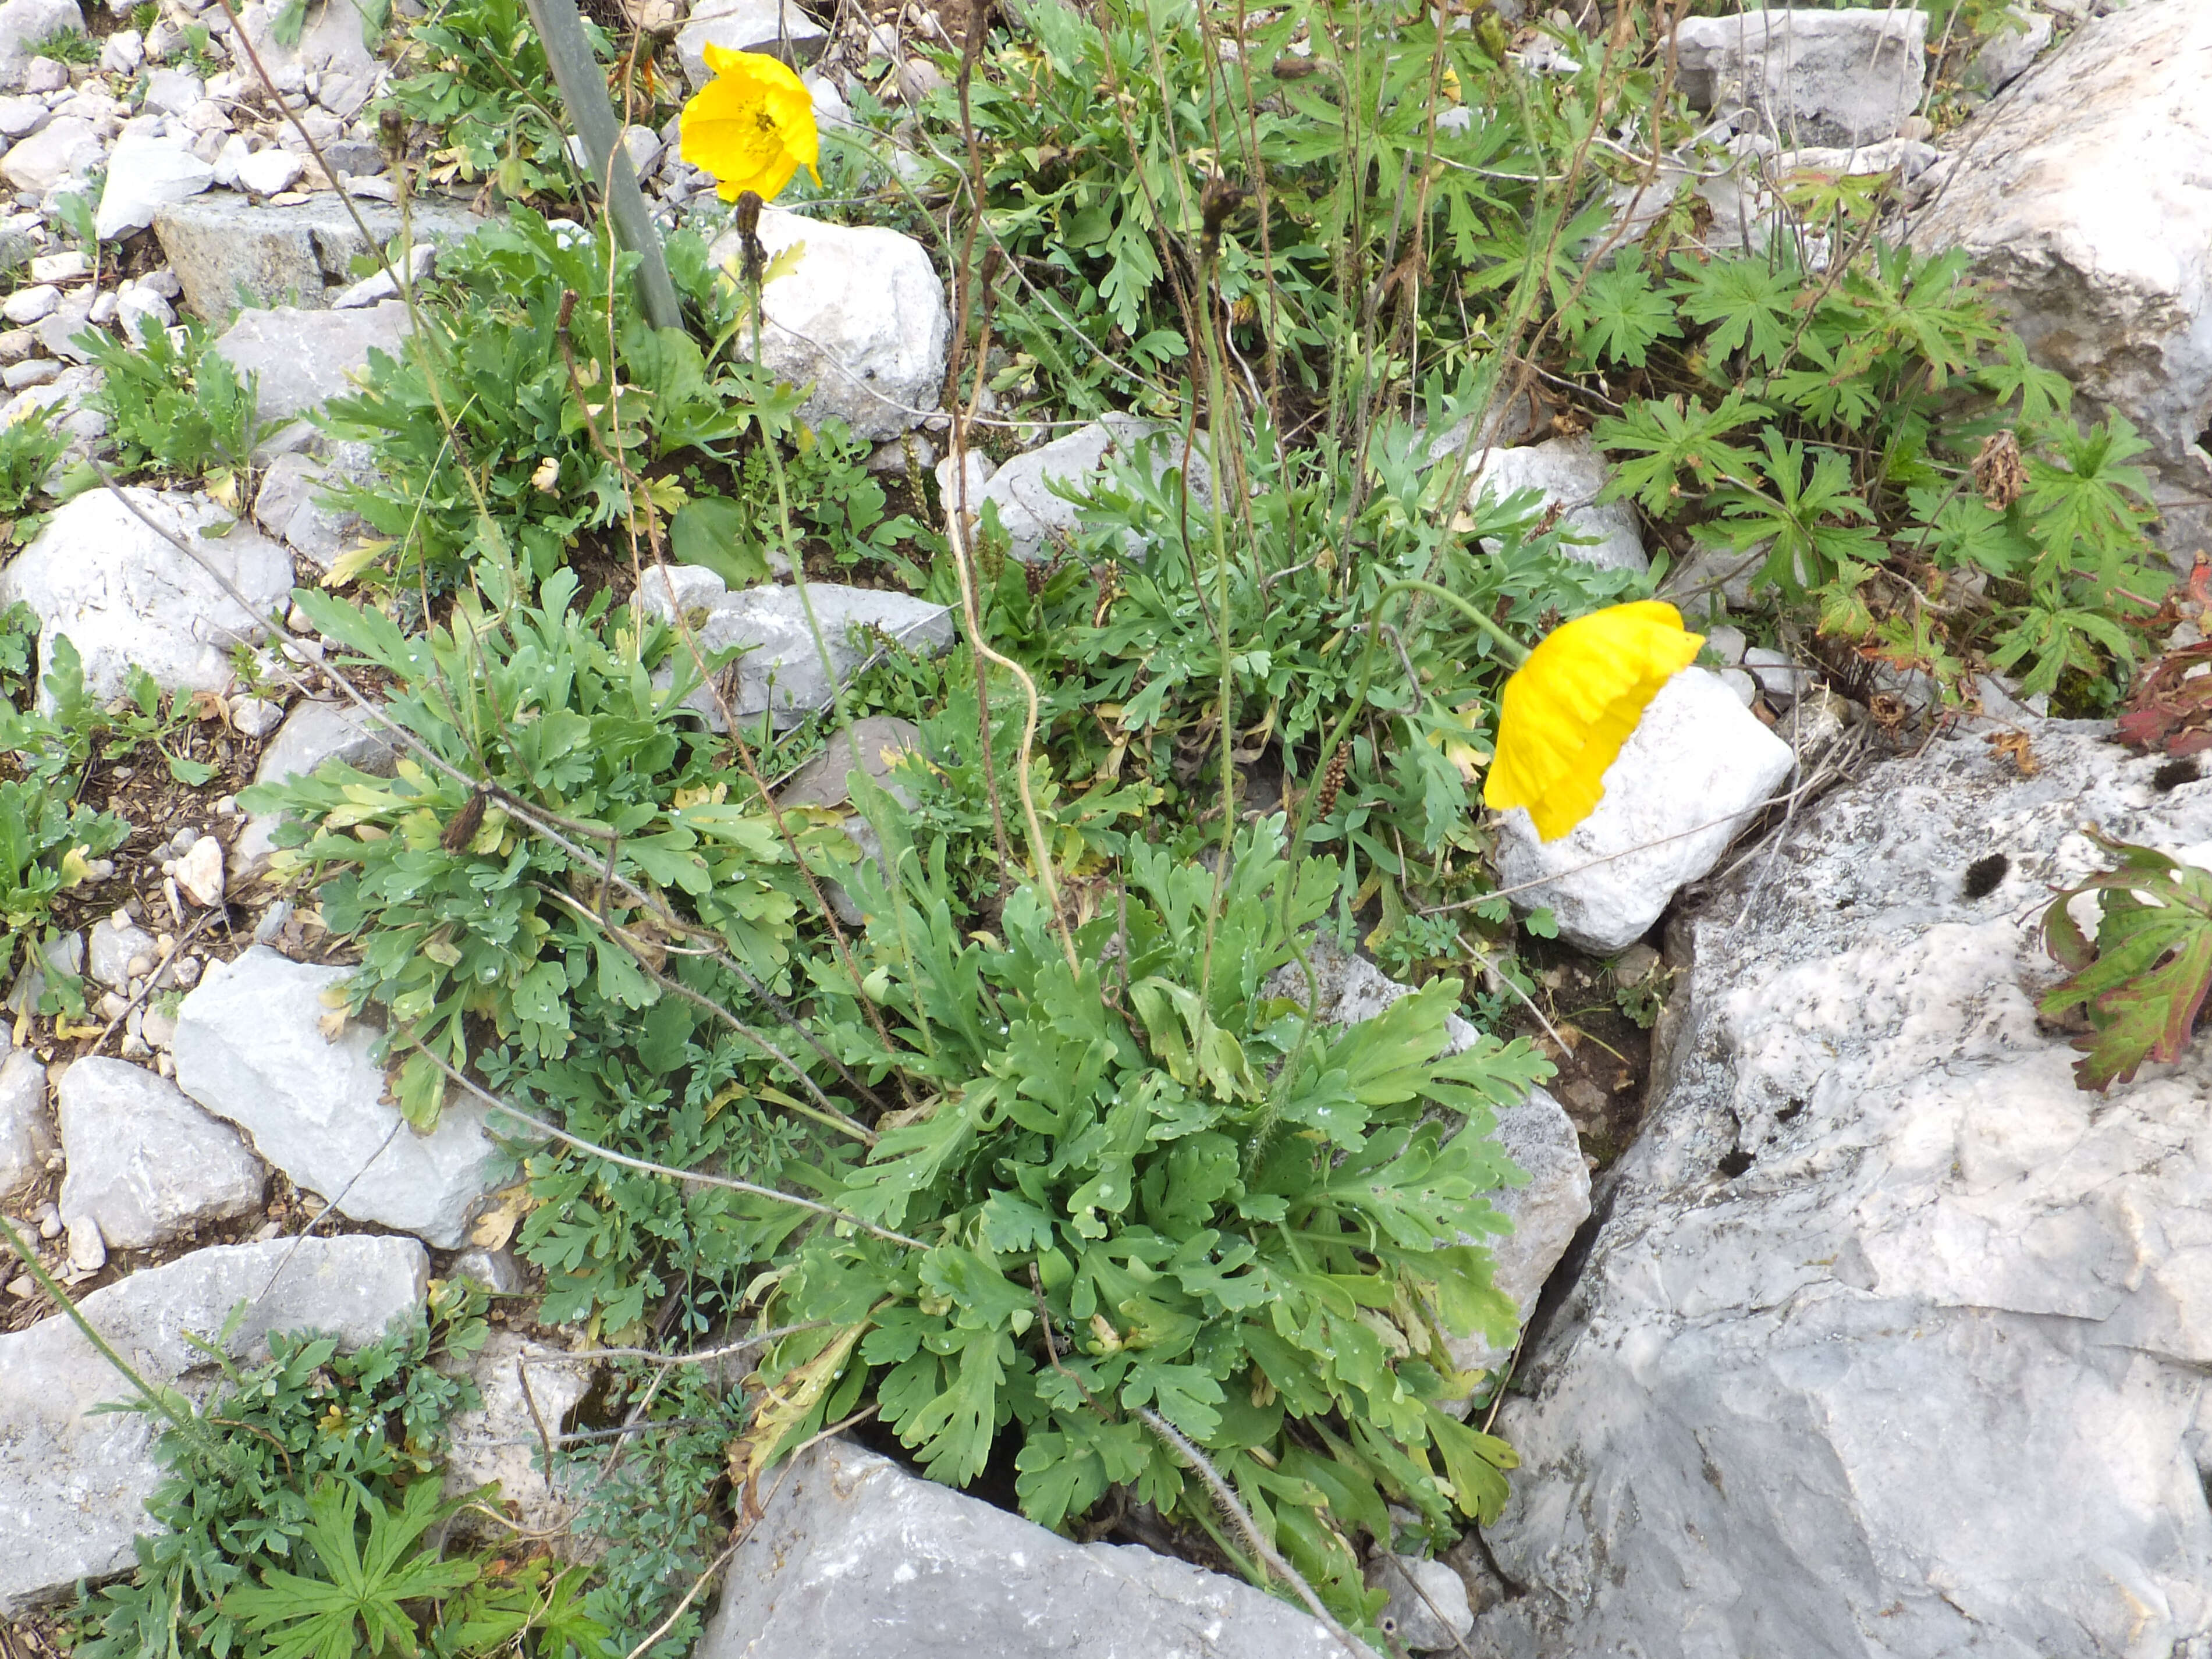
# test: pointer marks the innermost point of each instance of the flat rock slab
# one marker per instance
(145, 1165)
(305, 357)
(860, 321)
(300, 254)
(497, 1442)
(1691, 775)
(73, 1487)
(1895, 1344)
(249, 1048)
(781, 673)
(2084, 195)
(126, 596)
(856, 1558)
(1808, 77)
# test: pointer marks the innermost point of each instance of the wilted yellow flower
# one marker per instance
(1568, 709)
(751, 126)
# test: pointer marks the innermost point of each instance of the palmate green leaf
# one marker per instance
(1798, 514)
(1671, 437)
(1621, 315)
(1750, 303)
(358, 1607)
(2143, 981)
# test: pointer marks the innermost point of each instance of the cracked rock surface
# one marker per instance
(1893, 1342)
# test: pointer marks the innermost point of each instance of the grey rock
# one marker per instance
(218, 243)
(303, 357)
(1692, 774)
(1544, 1212)
(335, 44)
(64, 955)
(31, 305)
(1813, 1407)
(1805, 76)
(287, 507)
(266, 171)
(497, 1271)
(379, 285)
(73, 1486)
(23, 23)
(145, 1163)
(122, 52)
(112, 947)
(2084, 195)
(879, 740)
(313, 732)
(860, 321)
(778, 27)
(173, 91)
(58, 329)
(27, 1133)
(126, 596)
(65, 148)
(1428, 1607)
(1036, 519)
(88, 1250)
(782, 672)
(1570, 473)
(249, 1049)
(2021, 34)
(856, 1558)
(498, 1440)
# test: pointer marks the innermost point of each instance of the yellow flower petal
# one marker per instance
(1568, 709)
(751, 126)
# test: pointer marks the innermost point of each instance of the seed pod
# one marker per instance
(466, 822)
(1332, 783)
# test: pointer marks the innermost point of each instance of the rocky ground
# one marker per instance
(1881, 1338)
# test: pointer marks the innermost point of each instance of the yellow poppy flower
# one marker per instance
(751, 126)
(1568, 709)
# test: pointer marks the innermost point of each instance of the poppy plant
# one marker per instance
(1567, 710)
(751, 127)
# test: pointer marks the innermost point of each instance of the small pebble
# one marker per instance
(22, 1288)
(62, 267)
(140, 965)
(163, 944)
(114, 1005)
(50, 1220)
(186, 972)
(199, 872)
(166, 1064)
(227, 807)
(103, 310)
(88, 1250)
(135, 1047)
(272, 923)
(168, 866)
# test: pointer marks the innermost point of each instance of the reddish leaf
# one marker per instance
(2152, 966)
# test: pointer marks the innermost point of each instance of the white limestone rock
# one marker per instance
(1691, 775)
(1570, 473)
(781, 673)
(1545, 1210)
(313, 732)
(1806, 77)
(249, 1048)
(862, 321)
(145, 1165)
(67, 147)
(1893, 1343)
(304, 357)
(856, 1558)
(27, 1133)
(1037, 519)
(2085, 195)
(126, 596)
(2015, 41)
(74, 1486)
(24, 23)
(778, 27)
(497, 1440)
